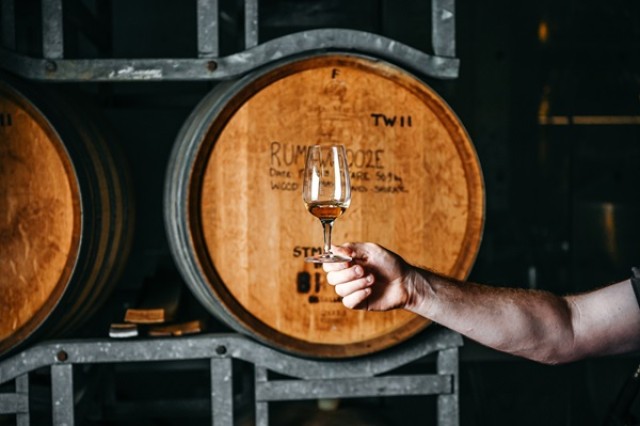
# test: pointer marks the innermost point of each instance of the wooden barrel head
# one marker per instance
(65, 212)
(39, 217)
(417, 189)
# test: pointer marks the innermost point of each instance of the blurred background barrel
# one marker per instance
(238, 228)
(65, 213)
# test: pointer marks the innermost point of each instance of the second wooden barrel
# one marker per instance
(239, 230)
(65, 214)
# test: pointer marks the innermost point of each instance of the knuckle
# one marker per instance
(356, 271)
(330, 267)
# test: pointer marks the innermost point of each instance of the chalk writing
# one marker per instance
(333, 313)
(306, 252)
(363, 176)
(287, 154)
(304, 282)
(365, 158)
(391, 121)
(367, 166)
(389, 189)
(319, 299)
(388, 177)
(284, 186)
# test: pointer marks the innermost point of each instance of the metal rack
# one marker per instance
(208, 65)
(313, 379)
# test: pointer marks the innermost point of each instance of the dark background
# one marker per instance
(563, 212)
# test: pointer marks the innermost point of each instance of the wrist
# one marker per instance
(420, 298)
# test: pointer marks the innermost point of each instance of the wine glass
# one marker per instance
(326, 192)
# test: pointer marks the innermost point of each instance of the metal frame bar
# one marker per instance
(222, 392)
(120, 70)
(223, 345)
(208, 28)
(250, 23)
(349, 378)
(262, 406)
(52, 29)
(22, 390)
(358, 387)
(13, 403)
(62, 394)
(448, 408)
(443, 26)
(208, 65)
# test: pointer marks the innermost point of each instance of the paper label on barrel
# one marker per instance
(410, 192)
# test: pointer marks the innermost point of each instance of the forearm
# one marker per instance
(532, 324)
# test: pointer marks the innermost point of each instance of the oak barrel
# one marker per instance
(65, 213)
(239, 230)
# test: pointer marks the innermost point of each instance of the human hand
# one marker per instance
(375, 280)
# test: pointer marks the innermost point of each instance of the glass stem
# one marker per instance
(327, 226)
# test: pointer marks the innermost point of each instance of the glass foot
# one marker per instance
(328, 258)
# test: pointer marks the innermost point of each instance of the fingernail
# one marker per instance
(369, 279)
(359, 270)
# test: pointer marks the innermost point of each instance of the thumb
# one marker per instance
(356, 250)
(343, 249)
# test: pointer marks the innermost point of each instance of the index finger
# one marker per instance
(343, 250)
(328, 267)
